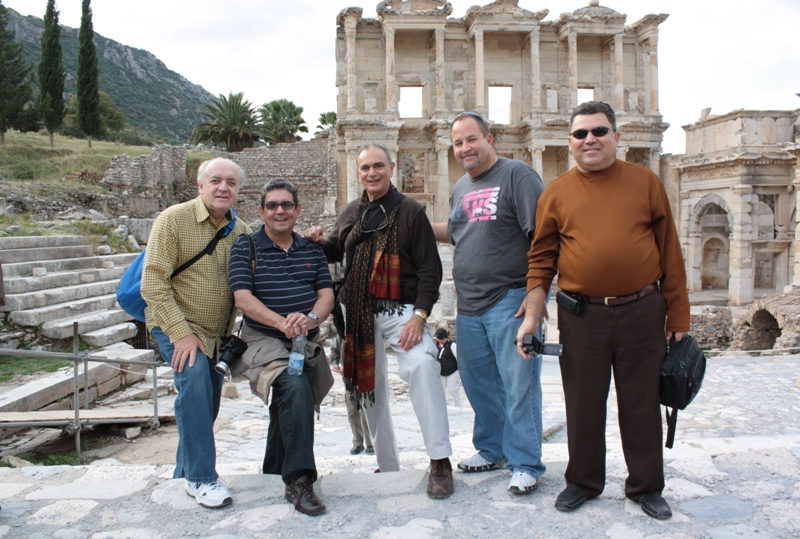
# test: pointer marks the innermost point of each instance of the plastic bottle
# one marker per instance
(298, 355)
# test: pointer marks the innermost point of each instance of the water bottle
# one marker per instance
(298, 355)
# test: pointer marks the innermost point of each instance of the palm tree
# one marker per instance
(326, 120)
(231, 122)
(281, 120)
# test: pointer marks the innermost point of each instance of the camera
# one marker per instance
(533, 346)
(231, 349)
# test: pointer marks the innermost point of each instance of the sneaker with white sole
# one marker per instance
(211, 495)
(521, 482)
(476, 463)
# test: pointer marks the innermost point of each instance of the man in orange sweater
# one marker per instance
(606, 228)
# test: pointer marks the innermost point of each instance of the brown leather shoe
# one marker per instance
(301, 494)
(440, 479)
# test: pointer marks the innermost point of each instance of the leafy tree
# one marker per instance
(326, 120)
(231, 122)
(112, 119)
(15, 82)
(88, 76)
(281, 120)
(51, 73)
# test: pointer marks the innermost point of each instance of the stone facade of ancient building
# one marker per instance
(737, 187)
(414, 47)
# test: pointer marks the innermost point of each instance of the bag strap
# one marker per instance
(212, 245)
(672, 421)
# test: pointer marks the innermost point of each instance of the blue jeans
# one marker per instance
(504, 389)
(290, 438)
(196, 408)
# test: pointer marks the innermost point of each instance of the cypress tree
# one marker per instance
(51, 73)
(88, 77)
(15, 83)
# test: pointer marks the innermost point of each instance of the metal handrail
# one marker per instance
(76, 358)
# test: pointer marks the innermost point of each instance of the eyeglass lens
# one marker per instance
(598, 132)
(287, 206)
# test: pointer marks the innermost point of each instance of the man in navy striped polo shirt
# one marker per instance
(290, 294)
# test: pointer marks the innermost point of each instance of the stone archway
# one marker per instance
(715, 271)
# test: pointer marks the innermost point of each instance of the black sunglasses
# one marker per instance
(384, 221)
(287, 206)
(598, 132)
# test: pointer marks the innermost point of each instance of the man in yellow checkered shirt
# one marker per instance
(188, 314)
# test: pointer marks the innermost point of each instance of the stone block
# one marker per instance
(133, 373)
(132, 432)
(108, 264)
(110, 385)
(39, 272)
(229, 391)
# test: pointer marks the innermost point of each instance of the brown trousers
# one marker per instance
(629, 341)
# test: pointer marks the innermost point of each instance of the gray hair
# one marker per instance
(375, 145)
(594, 107)
(201, 172)
(279, 183)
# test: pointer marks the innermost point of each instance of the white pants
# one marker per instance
(452, 384)
(417, 367)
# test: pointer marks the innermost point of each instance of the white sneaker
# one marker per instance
(476, 463)
(521, 482)
(211, 495)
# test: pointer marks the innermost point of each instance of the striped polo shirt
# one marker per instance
(285, 281)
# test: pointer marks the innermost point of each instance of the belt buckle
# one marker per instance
(605, 300)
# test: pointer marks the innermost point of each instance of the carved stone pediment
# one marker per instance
(504, 7)
(348, 12)
(435, 8)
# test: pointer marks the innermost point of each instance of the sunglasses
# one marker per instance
(287, 206)
(598, 132)
(384, 221)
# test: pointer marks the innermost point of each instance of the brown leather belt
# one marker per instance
(615, 301)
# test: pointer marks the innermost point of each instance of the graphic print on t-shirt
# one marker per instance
(481, 205)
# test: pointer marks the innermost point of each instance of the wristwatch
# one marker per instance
(421, 314)
(314, 317)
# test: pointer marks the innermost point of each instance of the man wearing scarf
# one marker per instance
(392, 280)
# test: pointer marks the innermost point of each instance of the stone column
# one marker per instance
(796, 247)
(391, 87)
(622, 152)
(393, 150)
(353, 185)
(572, 62)
(740, 285)
(536, 75)
(655, 160)
(536, 159)
(570, 160)
(352, 79)
(441, 201)
(654, 74)
(439, 50)
(619, 74)
(694, 262)
(480, 82)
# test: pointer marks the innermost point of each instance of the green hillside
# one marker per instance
(157, 101)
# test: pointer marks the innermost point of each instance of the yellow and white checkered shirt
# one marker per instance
(199, 299)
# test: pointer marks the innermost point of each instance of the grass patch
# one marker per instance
(28, 157)
(11, 366)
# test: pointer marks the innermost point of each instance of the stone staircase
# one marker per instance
(53, 281)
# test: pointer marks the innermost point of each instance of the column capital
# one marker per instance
(388, 31)
(478, 34)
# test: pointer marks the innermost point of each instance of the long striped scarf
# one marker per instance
(373, 276)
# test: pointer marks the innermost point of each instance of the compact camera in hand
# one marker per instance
(230, 350)
(532, 345)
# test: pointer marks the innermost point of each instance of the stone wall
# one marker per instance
(712, 327)
(311, 165)
(772, 322)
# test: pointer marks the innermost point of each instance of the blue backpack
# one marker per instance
(129, 291)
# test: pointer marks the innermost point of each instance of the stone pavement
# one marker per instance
(734, 472)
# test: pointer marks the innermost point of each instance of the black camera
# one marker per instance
(535, 347)
(231, 350)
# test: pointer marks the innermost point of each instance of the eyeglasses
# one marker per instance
(287, 206)
(598, 132)
(385, 221)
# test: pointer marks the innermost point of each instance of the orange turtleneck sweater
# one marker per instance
(609, 233)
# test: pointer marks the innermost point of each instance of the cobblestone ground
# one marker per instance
(734, 472)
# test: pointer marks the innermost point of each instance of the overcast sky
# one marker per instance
(712, 53)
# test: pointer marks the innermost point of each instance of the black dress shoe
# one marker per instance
(570, 499)
(370, 450)
(301, 495)
(655, 506)
(357, 448)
